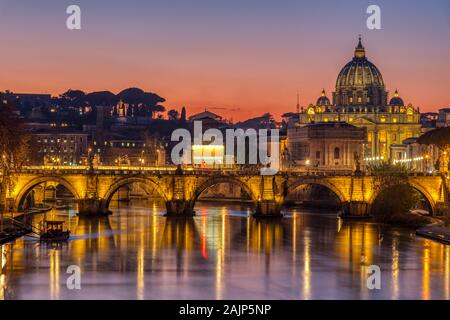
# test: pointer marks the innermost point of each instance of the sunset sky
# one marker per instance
(238, 58)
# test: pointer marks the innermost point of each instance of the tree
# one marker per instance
(101, 98)
(394, 194)
(14, 141)
(183, 115)
(173, 114)
(141, 103)
(72, 98)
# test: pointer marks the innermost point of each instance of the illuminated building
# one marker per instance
(361, 99)
(416, 157)
(332, 145)
(59, 147)
(443, 117)
(212, 156)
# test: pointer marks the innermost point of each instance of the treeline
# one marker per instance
(140, 103)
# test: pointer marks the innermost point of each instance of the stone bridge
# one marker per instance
(94, 188)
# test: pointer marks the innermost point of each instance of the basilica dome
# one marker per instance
(359, 72)
(360, 82)
(323, 100)
(396, 100)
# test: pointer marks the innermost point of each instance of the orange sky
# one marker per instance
(238, 65)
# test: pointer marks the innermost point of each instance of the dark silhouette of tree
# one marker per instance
(141, 103)
(394, 194)
(14, 144)
(72, 98)
(183, 115)
(101, 98)
(439, 137)
(173, 114)
(151, 103)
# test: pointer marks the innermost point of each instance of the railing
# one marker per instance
(171, 170)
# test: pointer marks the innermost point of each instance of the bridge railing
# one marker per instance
(171, 170)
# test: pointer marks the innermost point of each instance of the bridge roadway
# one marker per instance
(93, 188)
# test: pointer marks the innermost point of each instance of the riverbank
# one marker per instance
(15, 224)
(436, 233)
(408, 220)
(427, 227)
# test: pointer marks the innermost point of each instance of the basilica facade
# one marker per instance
(360, 99)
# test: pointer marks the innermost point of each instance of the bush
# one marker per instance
(395, 199)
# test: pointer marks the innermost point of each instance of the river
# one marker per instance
(224, 253)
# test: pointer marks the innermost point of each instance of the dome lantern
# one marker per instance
(360, 52)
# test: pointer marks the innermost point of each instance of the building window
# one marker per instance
(317, 154)
(394, 137)
(337, 153)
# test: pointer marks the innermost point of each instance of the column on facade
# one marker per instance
(375, 143)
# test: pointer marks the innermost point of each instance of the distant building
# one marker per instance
(130, 150)
(329, 146)
(443, 118)
(30, 100)
(429, 120)
(59, 147)
(415, 156)
(209, 120)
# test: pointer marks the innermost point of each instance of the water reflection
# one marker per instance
(223, 253)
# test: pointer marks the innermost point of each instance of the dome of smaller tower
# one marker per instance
(323, 100)
(396, 100)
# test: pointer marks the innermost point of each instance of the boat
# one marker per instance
(53, 231)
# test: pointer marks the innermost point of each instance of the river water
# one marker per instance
(224, 253)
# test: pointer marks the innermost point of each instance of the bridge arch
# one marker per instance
(25, 190)
(422, 190)
(310, 181)
(146, 183)
(218, 180)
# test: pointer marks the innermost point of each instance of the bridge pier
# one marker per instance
(92, 207)
(355, 209)
(179, 208)
(267, 209)
(441, 210)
